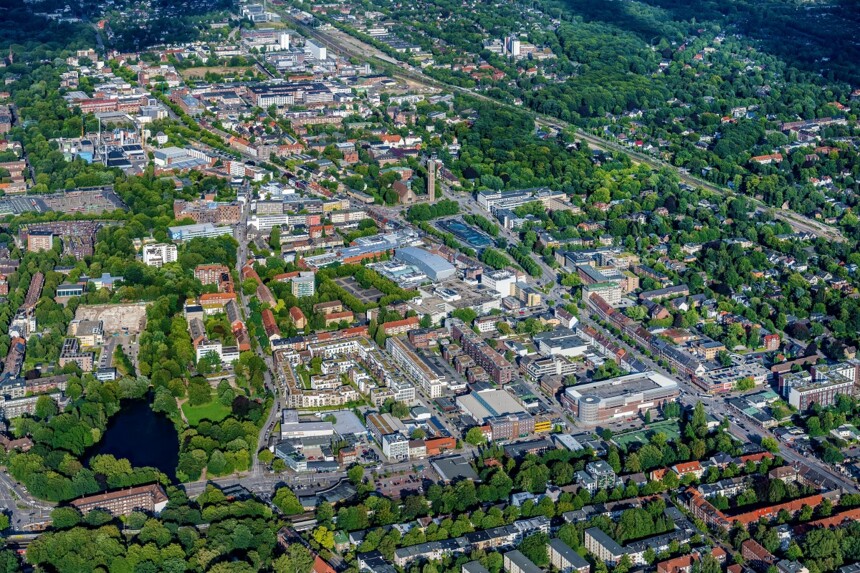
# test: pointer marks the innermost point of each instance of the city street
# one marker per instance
(26, 513)
(274, 413)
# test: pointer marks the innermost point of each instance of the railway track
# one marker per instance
(341, 41)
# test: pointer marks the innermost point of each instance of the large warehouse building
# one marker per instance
(482, 406)
(619, 398)
(434, 266)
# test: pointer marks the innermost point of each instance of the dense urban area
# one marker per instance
(364, 286)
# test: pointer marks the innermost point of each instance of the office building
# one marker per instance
(821, 385)
(395, 446)
(501, 281)
(560, 342)
(510, 426)
(316, 50)
(610, 291)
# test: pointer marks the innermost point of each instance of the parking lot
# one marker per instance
(410, 481)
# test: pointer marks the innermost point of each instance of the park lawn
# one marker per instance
(214, 411)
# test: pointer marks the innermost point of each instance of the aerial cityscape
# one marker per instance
(365, 286)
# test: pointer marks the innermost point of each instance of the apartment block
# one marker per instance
(565, 559)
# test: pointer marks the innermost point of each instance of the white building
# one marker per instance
(395, 446)
(227, 354)
(159, 254)
(284, 41)
(316, 51)
(293, 430)
(501, 281)
(431, 379)
(303, 285)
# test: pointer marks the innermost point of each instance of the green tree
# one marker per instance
(355, 474)
(534, 547)
(297, 559)
(285, 500)
(324, 536)
(45, 407)
(770, 444)
(475, 436)
(65, 517)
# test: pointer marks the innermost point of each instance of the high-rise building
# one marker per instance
(431, 178)
(303, 285)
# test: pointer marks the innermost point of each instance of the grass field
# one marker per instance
(222, 70)
(669, 428)
(213, 411)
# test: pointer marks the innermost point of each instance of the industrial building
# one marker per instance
(292, 428)
(619, 398)
(186, 232)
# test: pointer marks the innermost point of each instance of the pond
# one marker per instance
(141, 436)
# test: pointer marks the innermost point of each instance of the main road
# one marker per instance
(269, 381)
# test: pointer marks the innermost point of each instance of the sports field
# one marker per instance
(669, 428)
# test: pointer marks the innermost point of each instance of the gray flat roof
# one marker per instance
(489, 404)
(630, 384)
(454, 467)
(347, 423)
